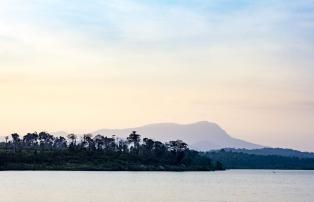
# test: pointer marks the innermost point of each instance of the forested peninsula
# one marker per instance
(237, 159)
(43, 151)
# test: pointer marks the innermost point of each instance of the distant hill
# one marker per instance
(274, 152)
(202, 136)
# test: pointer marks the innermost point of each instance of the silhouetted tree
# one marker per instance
(135, 139)
(98, 153)
(30, 139)
(99, 141)
(123, 146)
(178, 149)
(147, 147)
(88, 142)
(159, 149)
(72, 137)
(45, 139)
(16, 141)
(60, 143)
(109, 143)
(177, 146)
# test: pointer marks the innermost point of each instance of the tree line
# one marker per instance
(45, 151)
(241, 160)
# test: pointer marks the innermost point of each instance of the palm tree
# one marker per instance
(135, 139)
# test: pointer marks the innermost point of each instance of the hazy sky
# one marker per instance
(78, 66)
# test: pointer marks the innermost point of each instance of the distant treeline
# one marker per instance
(43, 151)
(274, 152)
(234, 159)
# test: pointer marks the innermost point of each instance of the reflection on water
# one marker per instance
(226, 186)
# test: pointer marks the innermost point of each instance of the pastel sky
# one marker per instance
(79, 66)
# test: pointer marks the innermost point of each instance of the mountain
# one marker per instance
(274, 152)
(200, 136)
(60, 133)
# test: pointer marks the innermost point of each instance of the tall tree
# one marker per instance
(72, 137)
(30, 139)
(135, 139)
(45, 139)
(88, 142)
(16, 140)
(99, 141)
(178, 148)
(60, 143)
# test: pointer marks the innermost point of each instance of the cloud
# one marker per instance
(218, 59)
(167, 23)
(221, 40)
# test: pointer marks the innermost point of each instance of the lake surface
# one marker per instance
(224, 186)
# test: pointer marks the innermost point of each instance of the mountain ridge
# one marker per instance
(202, 135)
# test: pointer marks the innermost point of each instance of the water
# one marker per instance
(226, 186)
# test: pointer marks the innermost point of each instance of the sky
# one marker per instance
(79, 66)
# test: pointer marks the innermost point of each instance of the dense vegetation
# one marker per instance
(274, 152)
(43, 151)
(241, 160)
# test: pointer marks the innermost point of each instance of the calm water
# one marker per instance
(234, 185)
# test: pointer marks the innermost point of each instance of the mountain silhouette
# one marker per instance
(201, 136)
